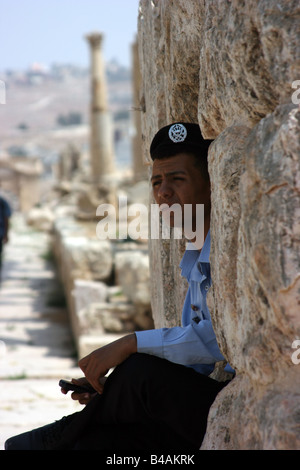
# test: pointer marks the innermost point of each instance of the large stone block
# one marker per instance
(87, 258)
(247, 417)
(258, 276)
(133, 277)
(169, 51)
(269, 247)
(83, 294)
(96, 318)
(250, 57)
(86, 292)
(227, 157)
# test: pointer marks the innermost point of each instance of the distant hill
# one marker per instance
(41, 100)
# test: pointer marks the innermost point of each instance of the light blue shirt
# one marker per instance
(194, 343)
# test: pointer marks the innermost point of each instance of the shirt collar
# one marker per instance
(192, 256)
(205, 252)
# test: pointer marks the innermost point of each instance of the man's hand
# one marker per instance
(98, 363)
(82, 398)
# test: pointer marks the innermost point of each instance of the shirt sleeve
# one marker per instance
(191, 344)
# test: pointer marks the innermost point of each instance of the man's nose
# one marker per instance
(165, 191)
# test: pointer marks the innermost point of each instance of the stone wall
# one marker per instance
(230, 65)
(106, 282)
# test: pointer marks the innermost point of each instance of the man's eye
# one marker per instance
(155, 184)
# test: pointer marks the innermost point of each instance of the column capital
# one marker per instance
(95, 39)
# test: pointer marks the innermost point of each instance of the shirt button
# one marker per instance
(206, 287)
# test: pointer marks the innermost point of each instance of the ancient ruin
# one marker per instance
(231, 66)
(101, 148)
(21, 179)
(106, 281)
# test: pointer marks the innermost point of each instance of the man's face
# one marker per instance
(176, 180)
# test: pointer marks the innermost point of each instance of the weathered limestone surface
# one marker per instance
(249, 59)
(170, 56)
(170, 71)
(268, 257)
(255, 267)
(227, 161)
(135, 281)
(230, 66)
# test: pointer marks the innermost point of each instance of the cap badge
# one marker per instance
(177, 133)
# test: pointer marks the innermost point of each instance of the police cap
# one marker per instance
(179, 137)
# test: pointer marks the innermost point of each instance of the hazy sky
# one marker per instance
(49, 31)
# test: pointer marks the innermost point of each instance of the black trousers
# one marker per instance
(148, 404)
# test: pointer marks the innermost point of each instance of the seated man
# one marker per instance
(159, 393)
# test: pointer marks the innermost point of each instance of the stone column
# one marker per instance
(101, 142)
(139, 165)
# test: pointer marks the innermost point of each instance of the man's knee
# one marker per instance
(137, 365)
(136, 369)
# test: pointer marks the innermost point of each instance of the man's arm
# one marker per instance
(98, 363)
(186, 345)
(189, 344)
